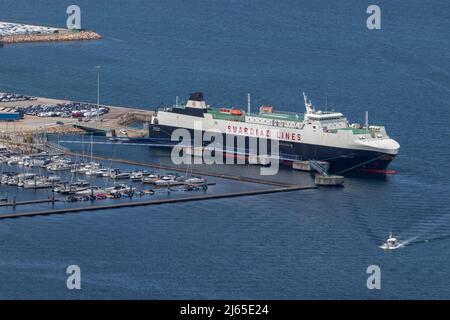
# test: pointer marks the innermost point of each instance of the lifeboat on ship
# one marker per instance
(231, 111)
(265, 109)
(236, 112)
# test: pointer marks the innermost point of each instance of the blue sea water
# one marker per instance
(298, 245)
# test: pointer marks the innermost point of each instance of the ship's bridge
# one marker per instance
(326, 119)
(325, 116)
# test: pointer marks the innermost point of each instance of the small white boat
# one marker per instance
(26, 176)
(89, 167)
(391, 243)
(166, 181)
(150, 179)
(119, 188)
(91, 191)
(79, 168)
(108, 172)
(94, 173)
(13, 161)
(14, 181)
(81, 183)
(58, 167)
(67, 189)
(195, 181)
(137, 176)
(120, 175)
(4, 179)
(36, 184)
(36, 163)
(53, 178)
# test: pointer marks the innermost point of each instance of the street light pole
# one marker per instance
(98, 92)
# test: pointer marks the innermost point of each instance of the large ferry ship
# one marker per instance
(312, 135)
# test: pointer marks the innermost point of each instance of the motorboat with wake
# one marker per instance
(391, 243)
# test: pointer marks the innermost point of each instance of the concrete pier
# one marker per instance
(324, 180)
(305, 165)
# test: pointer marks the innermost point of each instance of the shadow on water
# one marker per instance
(361, 176)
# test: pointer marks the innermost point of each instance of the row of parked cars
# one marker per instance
(13, 97)
(12, 29)
(65, 110)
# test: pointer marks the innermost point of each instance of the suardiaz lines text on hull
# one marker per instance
(318, 135)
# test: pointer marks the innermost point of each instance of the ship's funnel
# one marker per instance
(196, 100)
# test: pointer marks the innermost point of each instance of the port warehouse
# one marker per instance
(9, 114)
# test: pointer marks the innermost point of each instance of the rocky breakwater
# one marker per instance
(62, 36)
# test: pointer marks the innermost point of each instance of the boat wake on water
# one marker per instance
(393, 243)
(437, 228)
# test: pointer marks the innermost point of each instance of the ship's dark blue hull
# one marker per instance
(340, 159)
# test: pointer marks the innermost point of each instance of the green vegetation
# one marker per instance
(28, 138)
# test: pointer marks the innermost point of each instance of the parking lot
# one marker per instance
(14, 29)
(64, 110)
(52, 115)
(14, 97)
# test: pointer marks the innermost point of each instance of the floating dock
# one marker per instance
(27, 202)
(155, 202)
